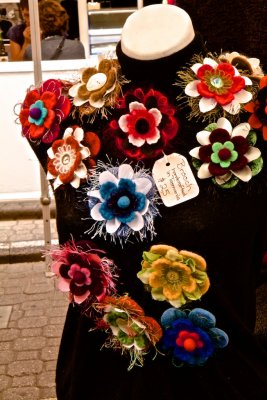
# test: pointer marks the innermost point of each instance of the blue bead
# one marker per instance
(123, 202)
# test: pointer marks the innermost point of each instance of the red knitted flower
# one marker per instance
(258, 108)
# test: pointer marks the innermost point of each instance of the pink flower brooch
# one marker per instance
(226, 154)
(43, 110)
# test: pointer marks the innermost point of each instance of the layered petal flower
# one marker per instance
(226, 153)
(258, 109)
(43, 110)
(173, 275)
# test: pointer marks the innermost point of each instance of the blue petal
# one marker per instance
(107, 189)
(126, 218)
(127, 184)
(202, 318)
(106, 212)
(171, 315)
(219, 338)
(141, 201)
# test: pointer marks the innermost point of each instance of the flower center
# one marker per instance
(217, 82)
(172, 276)
(35, 113)
(123, 202)
(190, 341)
(65, 159)
(78, 277)
(224, 154)
(142, 126)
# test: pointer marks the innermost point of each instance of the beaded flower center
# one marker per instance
(190, 341)
(64, 159)
(218, 81)
(172, 277)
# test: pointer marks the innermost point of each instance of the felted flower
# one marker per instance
(131, 330)
(173, 275)
(249, 66)
(122, 201)
(145, 125)
(67, 154)
(191, 337)
(258, 109)
(43, 110)
(218, 85)
(82, 271)
(98, 88)
(227, 153)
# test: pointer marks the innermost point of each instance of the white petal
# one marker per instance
(156, 114)
(112, 225)
(243, 96)
(95, 193)
(210, 62)
(241, 130)
(75, 182)
(50, 176)
(255, 62)
(107, 176)
(236, 71)
(97, 104)
(79, 102)
(96, 81)
(137, 223)
(143, 185)
(144, 211)
(123, 123)
(50, 153)
(74, 89)
(195, 152)
(81, 171)
(85, 152)
(252, 154)
(248, 81)
(233, 107)
(191, 89)
(125, 171)
(223, 178)
(138, 142)
(196, 67)
(78, 134)
(204, 172)
(68, 132)
(135, 105)
(224, 123)
(203, 137)
(155, 138)
(95, 214)
(111, 89)
(244, 174)
(206, 104)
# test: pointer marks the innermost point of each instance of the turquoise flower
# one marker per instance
(223, 154)
(37, 113)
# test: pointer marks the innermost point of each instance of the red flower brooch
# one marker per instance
(258, 108)
(43, 110)
(146, 124)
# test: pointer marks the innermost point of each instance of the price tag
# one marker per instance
(174, 179)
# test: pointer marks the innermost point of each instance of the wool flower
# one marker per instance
(43, 110)
(83, 272)
(258, 109)
(130, 330)
(173, 275)
(122, 201)
(98, 88)
(191, 337)
(227, 153)
(145, 125)
(218, 85)
(67, 154)
(249, 66)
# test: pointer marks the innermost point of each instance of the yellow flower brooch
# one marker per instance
(173, 275)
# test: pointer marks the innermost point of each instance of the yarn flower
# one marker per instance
(146, 124)
(67, 154)
(98, 88)
(191, 338)
(131, 330)
(173, 275)
(43, 110)
(227, 154)
(218, 85)
(122, 201)
(83, 272)
(249, 66)
(258, 108)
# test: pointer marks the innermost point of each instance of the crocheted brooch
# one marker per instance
(226, 154)
(122, 201)
(43, 110)
(145, 125)
(68, 155)
(173, 275)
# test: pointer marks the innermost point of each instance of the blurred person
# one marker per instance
(54, 26)
(71, 6)
(20, 34)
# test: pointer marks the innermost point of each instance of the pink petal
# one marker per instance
(135, 105)
(155, 138)
(138, 142)
(64, 285)
(156, 114)
(123, 123)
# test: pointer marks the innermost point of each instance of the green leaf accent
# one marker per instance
(256, 166)
(125, 339)
(150, 257)
(141, 341)
(113, 316)
(196, 163)
(193, 296)
(233, 181)
(211, 127)
(252, 138)
(190, 263)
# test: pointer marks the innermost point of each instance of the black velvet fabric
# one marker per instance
(226, 227)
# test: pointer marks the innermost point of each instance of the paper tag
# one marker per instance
(174, 179)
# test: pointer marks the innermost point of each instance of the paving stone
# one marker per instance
(52, 331)
(13, 290)
(23, 344)
(34, 313)
(6, 357)
(13, 324)
(46, 379)
(34, 305)
(20, 381)
(58, 320)
(12, 282)
(49, 353)
(28, 355)
(32, 322)
(3, 370)
(48, 394)
(57, 311)
(10, 299)
(50, 365)
(6, 335)
(15, 315)
(53, 342)
(5, 382)
(26, 393)
(31, 332)
(5, 346)
(38, 288)
(25, 367)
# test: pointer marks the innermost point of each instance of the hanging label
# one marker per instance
(174, 179)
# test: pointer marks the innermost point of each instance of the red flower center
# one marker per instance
(142, 126)
(189, 340)
(79, 278)
(224, 154)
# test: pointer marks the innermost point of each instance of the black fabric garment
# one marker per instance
(226, 227)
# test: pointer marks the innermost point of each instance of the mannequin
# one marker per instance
(226, 227)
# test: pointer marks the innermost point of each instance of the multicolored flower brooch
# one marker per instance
(43, 110)
(67, 155)
(83, 271)
(173, 275)
(97, 89)
(130, 330)
(122, 201)
(258, 108)
(191, 338)
(226, 154)
(146, 125)
(213, 87)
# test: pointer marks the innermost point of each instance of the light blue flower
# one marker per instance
(37, 113)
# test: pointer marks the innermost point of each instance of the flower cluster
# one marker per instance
(83, 272)
(191, 338)
(227, 154)
(146, 124)
(258, 108)
(66, 156)
(131, 330)
(174, 276)
(122, 201)
(43, 110)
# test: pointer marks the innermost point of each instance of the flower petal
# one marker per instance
(210, 62)
(95, 193)
(107, 176)
(112, 225)
(243, 96)
(75, 182)
(241, 130)
(74, 89)
(195, 152)
(252, 154)
(244, 174)
(223, 178)
(223, 123)
(196, 67)
(203, 137)
(156, 114)
(63, 285)
(80, 299)
(85, 152)
(123, 123)
(135, 105)
(95, 213)
(233, 107)
(50, 153)
(81, 171)
(138, 142)
(207, 104)
(125, 171)
(144, 211)
(204, 172)
(78, 134)
(248, 81)
(143, 185)
(137, 223)
(68, 132)
(191, 89)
